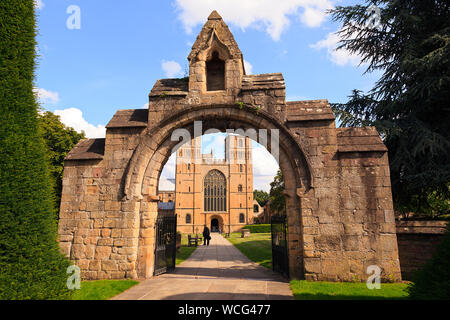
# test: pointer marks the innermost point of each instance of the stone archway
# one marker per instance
(337, 183)
(156, 146)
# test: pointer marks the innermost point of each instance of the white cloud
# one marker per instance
(313, 17)
(38, 4)
(340, 57)
(165, 184)
(73, 117)
(272, 15)
(248, 67)
(264, 164)
(46, 96)
(171, 68)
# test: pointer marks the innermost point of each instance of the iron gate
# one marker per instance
(166, 244)
(280, 260)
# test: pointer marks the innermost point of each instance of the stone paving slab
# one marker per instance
(215, 272)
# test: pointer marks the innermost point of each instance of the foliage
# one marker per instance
(258, 228)
(313, 290)
(409, 103)
(59, 140)
(261, 196)
(185, 251)
(276, 195)
(257, 247)
(102, 289)
(433, 281)
(31, 264)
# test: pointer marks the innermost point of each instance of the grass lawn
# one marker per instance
(102, 289)
(185, 251)
(257, 247)
(309, 290)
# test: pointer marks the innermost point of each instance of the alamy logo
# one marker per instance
(74, 281)
(74, 20)
(374, 14)
(374, 280)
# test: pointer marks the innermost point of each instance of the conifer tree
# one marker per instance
(31, 265)
(409, 43)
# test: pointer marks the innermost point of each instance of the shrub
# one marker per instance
(433, 280)
(31, 264)
(258, 228)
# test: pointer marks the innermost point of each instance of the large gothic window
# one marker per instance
(215, 73)
(215, 191)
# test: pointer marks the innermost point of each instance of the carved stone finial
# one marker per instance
(214, 16)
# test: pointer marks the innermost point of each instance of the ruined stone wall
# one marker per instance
(98, 230)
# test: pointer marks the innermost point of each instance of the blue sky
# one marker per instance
(122, 47)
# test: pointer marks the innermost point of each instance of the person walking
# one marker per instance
(206, 236)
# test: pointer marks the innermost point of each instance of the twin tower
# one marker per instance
(214, 192)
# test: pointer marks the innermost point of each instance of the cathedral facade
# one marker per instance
(214, 192)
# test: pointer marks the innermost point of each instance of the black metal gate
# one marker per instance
(166, 244)
(280, 260)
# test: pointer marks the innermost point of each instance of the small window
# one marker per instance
(215, 73)
(241, 218)
(240, 167)
(188, 218)
(189, 167)
(240, 204)
(240, 188)
(189, 189)
(255, 208)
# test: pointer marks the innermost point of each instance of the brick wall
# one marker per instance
(417, 242)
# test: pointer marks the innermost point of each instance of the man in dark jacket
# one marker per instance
(206, 236)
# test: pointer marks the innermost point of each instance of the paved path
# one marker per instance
(215, 272)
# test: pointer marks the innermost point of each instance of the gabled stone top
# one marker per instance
(214, 16)
(129, 119)
(364, 139)
(170, 87)
(263, 81)
(87, 149)
(215, 28)
(309, 110)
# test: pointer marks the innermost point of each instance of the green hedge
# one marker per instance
(258, 228)
(31, 265)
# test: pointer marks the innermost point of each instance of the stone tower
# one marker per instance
(214, 192)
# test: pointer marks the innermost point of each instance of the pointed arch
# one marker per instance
(215, 191)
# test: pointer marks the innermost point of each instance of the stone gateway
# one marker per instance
(338, 193)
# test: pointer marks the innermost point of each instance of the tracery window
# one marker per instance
(215, 191)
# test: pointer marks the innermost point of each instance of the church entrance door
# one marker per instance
(214, 225)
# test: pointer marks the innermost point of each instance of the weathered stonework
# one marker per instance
(339, 203)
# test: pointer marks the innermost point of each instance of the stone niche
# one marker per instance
(338, 194)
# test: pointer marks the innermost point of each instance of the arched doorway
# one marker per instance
(215, 225)
(157, 145)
